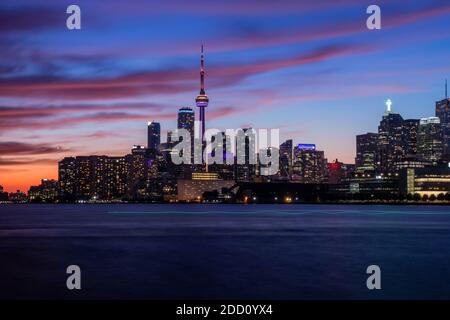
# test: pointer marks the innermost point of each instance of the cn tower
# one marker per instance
(202, 99)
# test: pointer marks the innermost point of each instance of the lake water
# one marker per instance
(153, 251)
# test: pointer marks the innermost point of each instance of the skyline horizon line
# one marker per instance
(284, 140)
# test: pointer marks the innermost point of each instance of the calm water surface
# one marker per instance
(224, 251)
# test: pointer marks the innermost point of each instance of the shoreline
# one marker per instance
(378, 203)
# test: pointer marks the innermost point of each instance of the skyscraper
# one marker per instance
(222, 161)
(153, 135)
(67, 177)
(137, 175)
(245, 155)
(366, 152)
(309, 165)
(116, 177)
(85, 177)
(202, 99)
(286, 159)
(92, 178)
(220, 143)
(391, 146)
(429, 139)
(186, 119)
(410, 129)
(443, 113)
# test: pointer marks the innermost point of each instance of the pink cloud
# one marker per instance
(160, 82)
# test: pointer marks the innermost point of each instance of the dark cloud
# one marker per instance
(37, 121)
(53, 117)
(11, 113)
(171, 81)
(11, 148)
(24, 162)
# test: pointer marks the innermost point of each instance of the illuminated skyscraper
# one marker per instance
(116, 177)
(286, 159)
(153, 135)
(85, 177)
(137, 176)
(222, 160)
(429, 139)
(67, 177)
(366, 152)
(391, 146)
(186, 119)
(92, 178)
(245, 155)
(202, 99)
(443, 113)
(309, 164)
(410, 128)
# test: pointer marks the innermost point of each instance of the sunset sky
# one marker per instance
(310, 68)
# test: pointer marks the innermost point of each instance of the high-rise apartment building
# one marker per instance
(153, 135)
(366, 160)
(309, 164)
(429, 139)
(391, 143)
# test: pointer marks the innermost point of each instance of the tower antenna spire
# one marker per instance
(202, 72)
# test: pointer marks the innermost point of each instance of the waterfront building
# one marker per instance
(153, 135)
(286, 155)
(429, 140)
(67, 177)
(245, 155)
(137, 174)
(186, 120)
(309, 164)
(428, 181)
(47, 191)
(339, 172)
(391, 147)
(366, 160)
(443, 113)
(192, 190)
(410, 132)
(3, 195)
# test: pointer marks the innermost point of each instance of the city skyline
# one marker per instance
(107, 98)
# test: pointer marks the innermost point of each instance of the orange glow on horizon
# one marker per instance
(22, 177)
